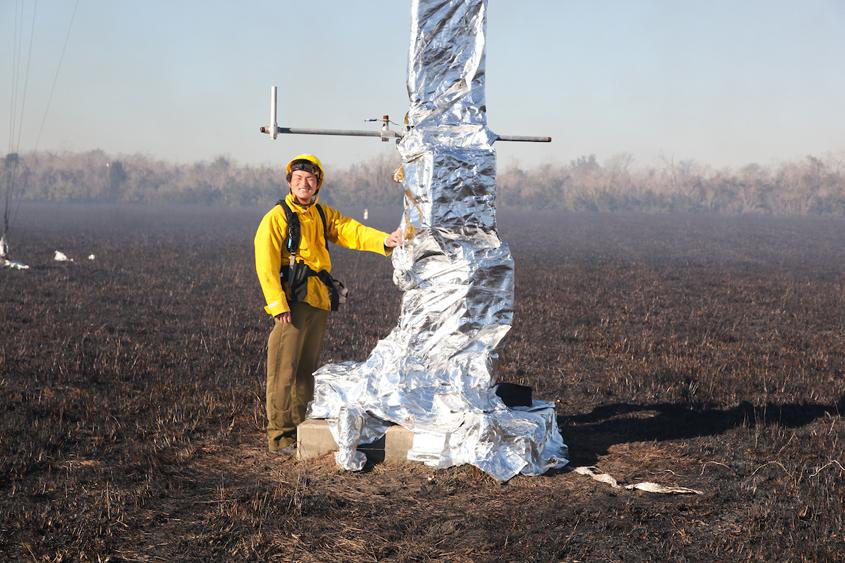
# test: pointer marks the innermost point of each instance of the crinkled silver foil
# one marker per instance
(433, 373)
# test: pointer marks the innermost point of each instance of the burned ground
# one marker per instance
(701, 351)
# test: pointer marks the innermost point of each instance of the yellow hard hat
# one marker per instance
(300, 162)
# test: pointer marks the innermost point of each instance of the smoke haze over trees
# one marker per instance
(810, 186)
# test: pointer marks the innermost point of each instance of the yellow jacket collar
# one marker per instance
(294, 205)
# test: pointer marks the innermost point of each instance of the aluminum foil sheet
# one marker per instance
(433, 374)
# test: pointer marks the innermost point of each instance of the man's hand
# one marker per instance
(394, 239)
(283, 318)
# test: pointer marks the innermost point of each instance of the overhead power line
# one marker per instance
(26, 75)
(56, 77)
(15, 68)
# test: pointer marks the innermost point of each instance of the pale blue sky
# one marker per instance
(721, 82)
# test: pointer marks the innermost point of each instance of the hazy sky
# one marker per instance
(721, 82)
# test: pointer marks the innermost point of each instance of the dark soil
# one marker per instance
(701, 351)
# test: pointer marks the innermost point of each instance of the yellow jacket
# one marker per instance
(270, 254)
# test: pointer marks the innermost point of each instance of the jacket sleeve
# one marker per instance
(268, 260)
(348, 232)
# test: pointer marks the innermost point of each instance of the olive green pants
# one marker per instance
(293, 351)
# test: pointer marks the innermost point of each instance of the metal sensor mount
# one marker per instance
(385, 134)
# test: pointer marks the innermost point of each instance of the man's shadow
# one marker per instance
(592, 434)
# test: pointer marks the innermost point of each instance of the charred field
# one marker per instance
(692, 350)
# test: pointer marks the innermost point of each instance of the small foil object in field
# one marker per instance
(433, 373)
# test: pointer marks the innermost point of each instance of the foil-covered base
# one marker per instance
(449, 429)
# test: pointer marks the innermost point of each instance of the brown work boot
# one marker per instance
(282, 445)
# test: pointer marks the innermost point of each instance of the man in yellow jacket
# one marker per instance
(293, 265)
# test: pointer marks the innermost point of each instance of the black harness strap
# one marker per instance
(295, 234)
(325, 227)
(296, 273)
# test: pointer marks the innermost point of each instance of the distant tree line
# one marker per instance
(811, 186)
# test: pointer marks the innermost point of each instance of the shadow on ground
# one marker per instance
(592, 434)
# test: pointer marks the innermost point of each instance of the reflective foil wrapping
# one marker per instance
(433, 373)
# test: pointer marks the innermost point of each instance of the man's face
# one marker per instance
(303, 185)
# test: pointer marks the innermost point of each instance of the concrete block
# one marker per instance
(314, 439)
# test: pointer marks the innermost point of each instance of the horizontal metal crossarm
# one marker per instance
(385, 134)
(341, 132)
(523, 139)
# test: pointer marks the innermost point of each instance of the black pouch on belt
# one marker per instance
(337, 291)
(297, 280)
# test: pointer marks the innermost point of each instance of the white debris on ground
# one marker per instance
(91, 257)
(61, 257)
(646, 486)
(4, 257)
(13, 264)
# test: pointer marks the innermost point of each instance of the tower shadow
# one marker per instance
(591, 435)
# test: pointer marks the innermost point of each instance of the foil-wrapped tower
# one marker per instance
(433, 373)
